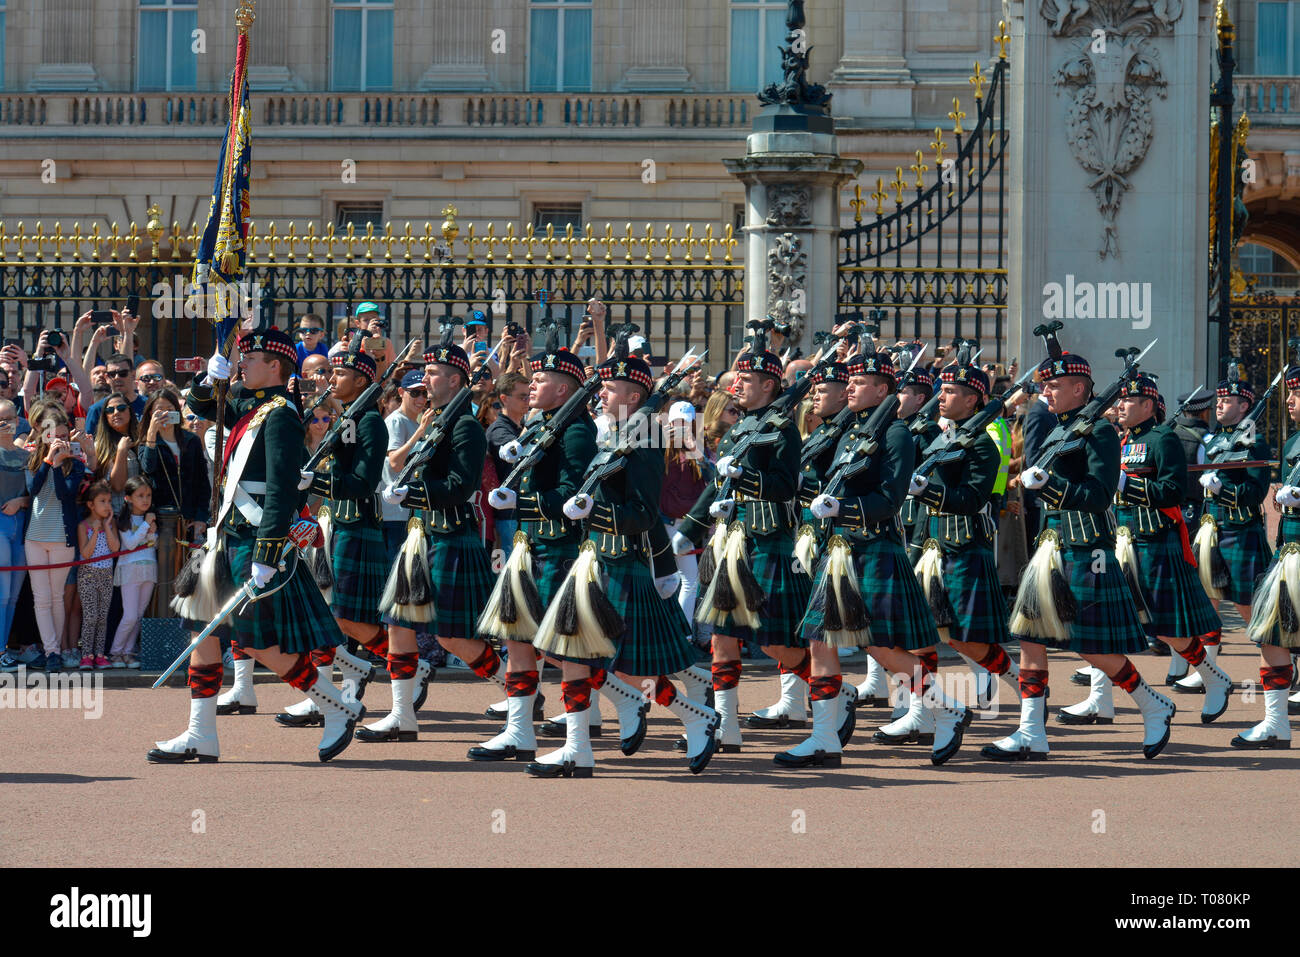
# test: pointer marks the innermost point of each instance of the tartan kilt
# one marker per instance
(1106, 622)
(898, 612)
(1247, 554)
(552, 559)
(359, 559)
(1172, 588)
(461, 581)
(655, 640)
(971, 577)
(295, 618)
(771, 559)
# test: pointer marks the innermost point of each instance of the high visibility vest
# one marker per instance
(1000, 433)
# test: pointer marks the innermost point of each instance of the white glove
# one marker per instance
(728, 468)
(1288, 495)
(218, 367)
(511, 452)
(1032, 478)
(668, 585)
(682, 545)
(262, 574)
(579, 507)
(502, 498)
(825, 506)
(305, 479)
(722, 507)
(394, 496)
(1210, 481)
(918, 485)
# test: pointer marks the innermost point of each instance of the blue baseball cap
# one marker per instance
(367, 306)
(412, 379)
(477, 318)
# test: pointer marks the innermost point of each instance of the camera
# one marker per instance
(374, 344)
(55, 338)
(43, 364)
(196, 364)
(173, 418)
(307, 386)
(102, 317)
(781, 327)
(514, 329)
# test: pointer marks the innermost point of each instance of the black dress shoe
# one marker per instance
(509, 752)
(818, 759)
(1292, 707)
(845, 731)
(1267, 744)
(911, 737)
(1179, 689)
(680, 745)
(1149, 751)
(632, 743)
(1078, 679)
(952, 747)
(993, 753)
(701, 760)
(1171, 678)
(566, 769)
(422, 690)
(159, 756)
(872, 702)
(555, 729)
(234, 707)
(313, 719)
(341, 743)
(780, 721)
(392, 734)
(1065, 717)
(493, 713)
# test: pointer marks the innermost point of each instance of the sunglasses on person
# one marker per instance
(119, 373)
(115, 409)
(309, 330)
(417, 393)
(191, 417)
(4, 383)
(320, 420)
(151, 377)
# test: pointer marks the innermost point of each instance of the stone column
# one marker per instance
(872, 79)
(269, 40)
(656, 34)
(67, 56)
(460, 50)
(1108, 182)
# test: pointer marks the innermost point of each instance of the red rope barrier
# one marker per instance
(79, 561)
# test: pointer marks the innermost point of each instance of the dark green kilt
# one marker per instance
(1289, 527)
(359, 559)
(971, 577)
(295, 618)
(896, 606)
(771, 559)
(1106, 622)
(1247, 555)
(552, 560)
(462, 582)
(1172, 588)
(655, 640)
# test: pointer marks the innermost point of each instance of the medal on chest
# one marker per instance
(1134, 453)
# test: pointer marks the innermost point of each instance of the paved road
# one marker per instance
(79, 792)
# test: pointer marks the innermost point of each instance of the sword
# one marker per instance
(244, 593)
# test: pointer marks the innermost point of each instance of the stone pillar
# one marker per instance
(872, 80)
(1108, 195)
(67, 57)
(656, 34)
(269, 69)
(460, 49)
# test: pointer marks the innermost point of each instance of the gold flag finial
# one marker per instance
(245, 15)
(1223, 24)
(956, 116)
(978, 81)
(1002, 39)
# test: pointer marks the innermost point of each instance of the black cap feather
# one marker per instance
(1048, 331)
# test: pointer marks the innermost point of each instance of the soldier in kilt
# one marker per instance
(829, 397)
(259, 501)
(765, 483)
(654, 642)
(1161, 568)
(962, 500)
(1234, 501)
(898, 623)
(1076, 496)
(551, 538)
(1276, 665)
(440, 498)
(357, 553)
(915, 389)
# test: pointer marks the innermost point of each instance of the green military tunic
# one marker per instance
(915, 525)
(295, 618)
(444, 490)
(814, 466)
(960, 505)
(357, 553)
(1238, 512)
(1150, 507)
(624, 513)
(552, 538)
(1076, 503)
(1288, 529)
(868, 521)
(764, 496)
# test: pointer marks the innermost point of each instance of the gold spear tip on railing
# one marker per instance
(245, 15)
(1003, 38)
(1223, 23)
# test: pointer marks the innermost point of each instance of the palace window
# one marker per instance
(757, 30)
(1277, 39)
(358, 216)
(559, 45)
(361, 53)
(557, 215)
(165, 58)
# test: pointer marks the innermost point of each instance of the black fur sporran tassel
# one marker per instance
(608, 620)
(1062, 597)
(421, 587)
(508, 612)
(402, 595)
(532, 599)
(188, 577)
(566, 622)
(1286, 611)
(1219, 576)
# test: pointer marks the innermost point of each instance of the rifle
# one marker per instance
(358, 408)
(814, 448)
(1065, 439)
(855, 459)
(320, 399)
(1191, 397)
(953, 445)
(1235, 446)
(447, 417)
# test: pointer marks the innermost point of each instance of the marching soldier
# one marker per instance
(1155, 554)
(915, 389)
(1274, 627)
(259, 501)
(649, 633)
(867, 592)
(356, 541)
(549, 536)
(1234, 499)
(1076, 492)
(442, 573)
(765, 480)
(962, 499)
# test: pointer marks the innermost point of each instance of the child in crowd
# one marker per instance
(137, 572)
(97, 537)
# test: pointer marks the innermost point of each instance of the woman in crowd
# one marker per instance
(720, 413)
(318, 425)
(14, 503)
(116, 436)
